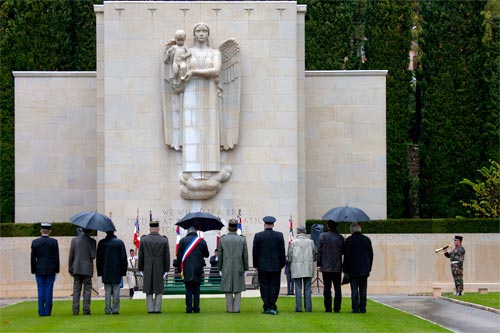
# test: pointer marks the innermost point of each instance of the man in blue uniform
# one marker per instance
(269, 259)
(45, 266)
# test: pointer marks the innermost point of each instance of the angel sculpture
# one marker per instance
(201, 107)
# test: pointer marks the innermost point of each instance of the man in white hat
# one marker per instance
(45, 266)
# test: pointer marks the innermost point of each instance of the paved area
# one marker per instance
(456, 317)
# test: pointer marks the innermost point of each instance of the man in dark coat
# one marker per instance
(154, 264)
(330, 249)
(190, 256)
(358, 260)
(82, 253)
(111, 264)
(233, 263)
(45, 266)
(269, 259)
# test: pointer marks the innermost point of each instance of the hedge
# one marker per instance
(419, 226)
(33, 229)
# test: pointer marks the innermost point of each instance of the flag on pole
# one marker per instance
(240, 223)
(150, 216)
(177, 239)
(217, 240)
(290, 237)
(136, 240)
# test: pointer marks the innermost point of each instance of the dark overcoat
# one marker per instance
(44, 256)
(330, 249)
(111, 260)
(269, 251)
(154, 261)
(358, 257)
(194, 263)
(233, 262)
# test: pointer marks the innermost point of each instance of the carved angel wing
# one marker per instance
(230, 93)
(171, 101)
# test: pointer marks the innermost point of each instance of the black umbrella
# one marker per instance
(93, 221)
(202, 221)
(346, 214)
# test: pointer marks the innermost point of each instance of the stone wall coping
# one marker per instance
(347, 73)
(40, 74)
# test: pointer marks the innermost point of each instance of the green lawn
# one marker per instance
(133, 318)
(491, 300)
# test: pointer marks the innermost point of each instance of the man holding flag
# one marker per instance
(190, 257)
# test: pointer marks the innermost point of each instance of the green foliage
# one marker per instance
(388, 31)
(33, 229)
(453, 140)
(419, 226)
(486, 192)
(328, 34)
(37, 35)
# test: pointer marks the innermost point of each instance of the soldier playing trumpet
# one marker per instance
(457, 256)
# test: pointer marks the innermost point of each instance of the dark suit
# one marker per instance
(111, 264)
(45, 265)
(192, 270)
(82, 253)
(269, 259)
(358, 260)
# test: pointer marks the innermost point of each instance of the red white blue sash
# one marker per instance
(189, 250)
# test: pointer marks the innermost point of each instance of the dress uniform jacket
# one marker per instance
(154, 261)
(233, 262)
(269, 251)
(44, 256)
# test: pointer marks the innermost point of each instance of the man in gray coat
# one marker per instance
(302, 255)
(330, 250)
(82, 253)
(233, 263)
(154, 264)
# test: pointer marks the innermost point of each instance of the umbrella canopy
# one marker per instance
(93, 221)
(202, 221)
(346, 214)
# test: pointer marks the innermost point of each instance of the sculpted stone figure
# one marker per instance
(201, 106)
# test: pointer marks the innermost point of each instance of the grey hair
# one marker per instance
(355, 227)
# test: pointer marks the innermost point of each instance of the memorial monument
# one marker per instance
(183, 116)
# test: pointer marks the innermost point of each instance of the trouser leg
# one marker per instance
(77, 291)
(274, 291)
(87, 290)
(307, 294)
(108, 290)
(158, 302)
(298, 294)
(327, 291)
(236, 302)
(229, 302)
(49, 289)
(149, 303)
(337, 286)
(115, 308)
(354, 294)
(40, 284)
(363, 286)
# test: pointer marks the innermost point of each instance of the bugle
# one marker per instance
(441, 249)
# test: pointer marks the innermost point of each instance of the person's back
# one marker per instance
(269, 251)
(302, 257)
(358, 255)
(111, 260)
(330, 249)
(81, 255)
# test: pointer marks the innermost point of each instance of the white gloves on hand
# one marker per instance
(246, 272)
(141, 273)
(165, 275)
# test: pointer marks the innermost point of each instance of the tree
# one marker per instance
(486, 192)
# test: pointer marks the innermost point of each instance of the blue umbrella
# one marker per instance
(346, 214)
(93, 221)
(202, 221)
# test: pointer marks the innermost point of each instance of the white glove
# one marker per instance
(141, 273)
(246, 272)
(165, 275)
(220, 273)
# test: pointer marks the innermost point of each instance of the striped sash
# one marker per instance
(188, 251)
